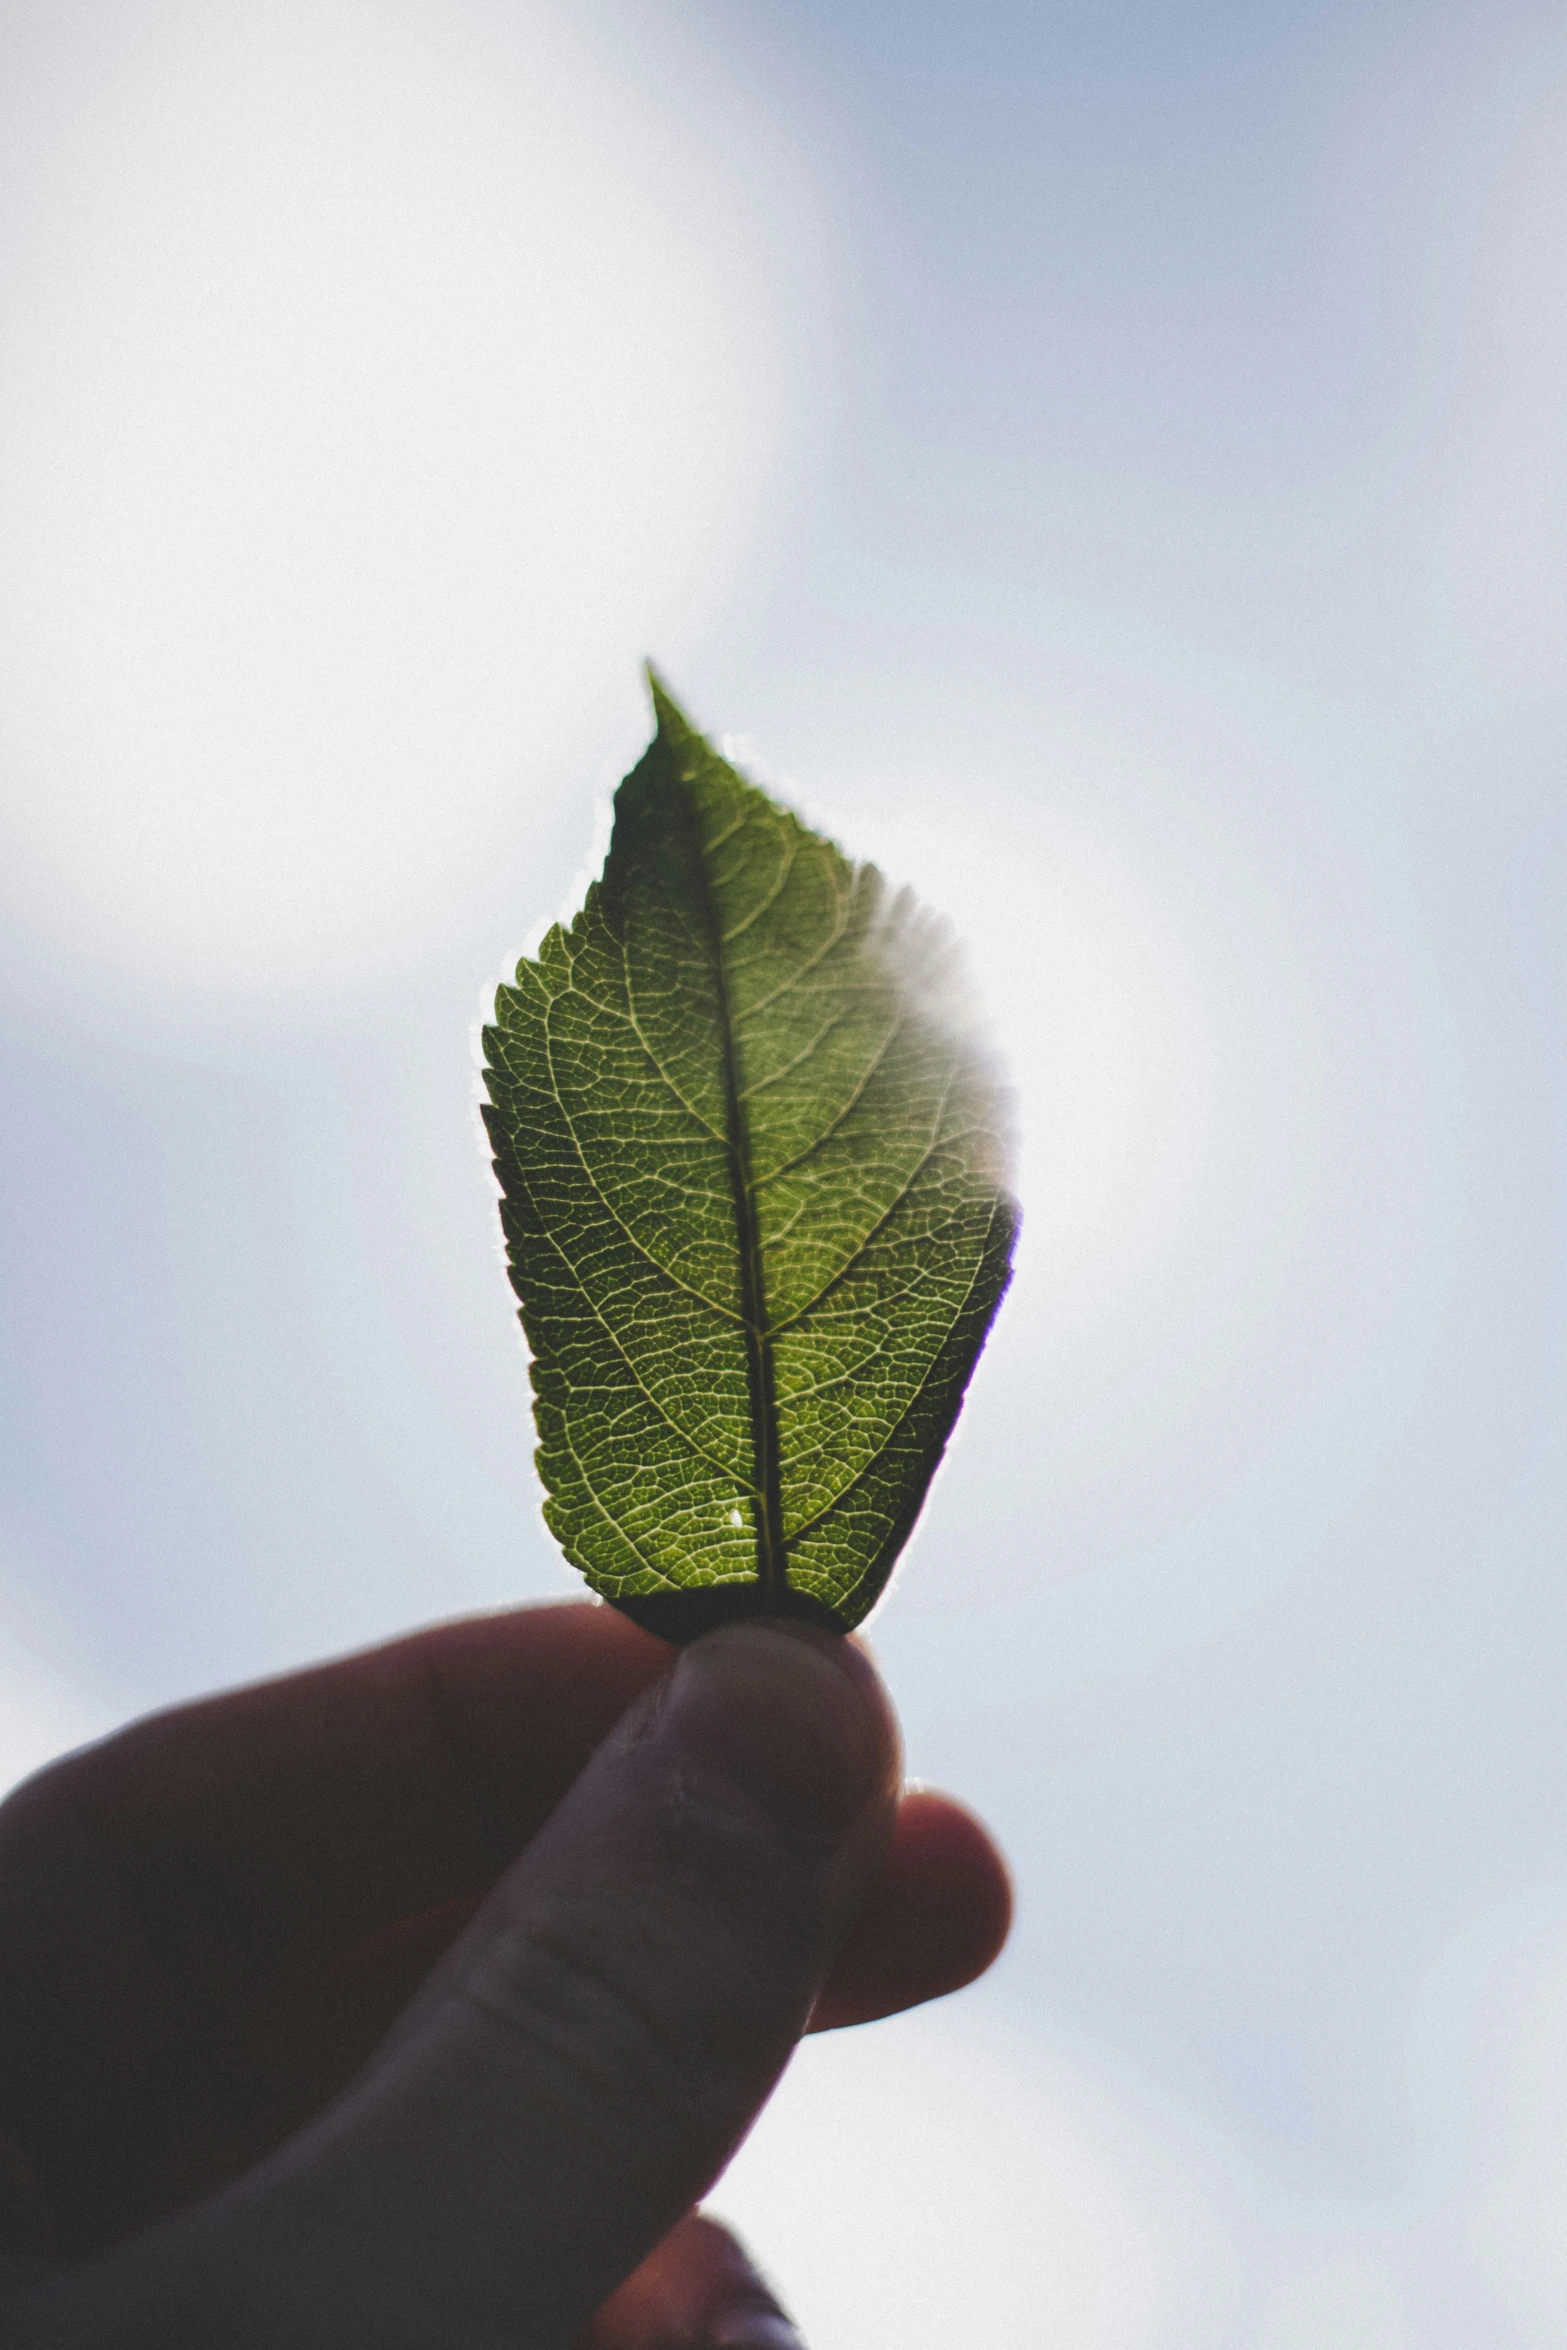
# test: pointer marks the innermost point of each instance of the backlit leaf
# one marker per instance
(755, 1204)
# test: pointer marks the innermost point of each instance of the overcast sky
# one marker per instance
(1109, 463)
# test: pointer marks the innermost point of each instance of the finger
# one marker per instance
(324, 1805)
(697, 2291)
(587, 2056)
(937, 1916)
(181, 1895)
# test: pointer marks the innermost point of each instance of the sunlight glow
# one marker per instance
(390, 409)
(1095, 1007)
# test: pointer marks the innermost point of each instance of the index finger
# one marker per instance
(284, 1821)
(179, 1898)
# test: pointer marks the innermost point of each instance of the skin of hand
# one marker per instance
(413, 2002)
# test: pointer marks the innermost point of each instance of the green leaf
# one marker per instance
(754, 1167)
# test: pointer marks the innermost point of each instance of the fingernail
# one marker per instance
(796, 1716)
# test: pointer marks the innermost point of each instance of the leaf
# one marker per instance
(755, 1205)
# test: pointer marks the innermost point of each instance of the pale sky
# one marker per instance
(1109, 464)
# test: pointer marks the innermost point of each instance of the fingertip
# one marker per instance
(796, 1715)
(940, 1844)
(937, 1918)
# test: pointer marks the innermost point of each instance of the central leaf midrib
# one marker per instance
(772, 1566)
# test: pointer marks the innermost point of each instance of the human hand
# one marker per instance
(412, 2003)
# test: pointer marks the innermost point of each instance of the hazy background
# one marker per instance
(1110, 461)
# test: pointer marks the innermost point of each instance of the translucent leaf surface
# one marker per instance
(754, 1167)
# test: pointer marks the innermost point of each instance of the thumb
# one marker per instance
(586, 2058)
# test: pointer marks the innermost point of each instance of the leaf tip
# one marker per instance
(671, 720)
